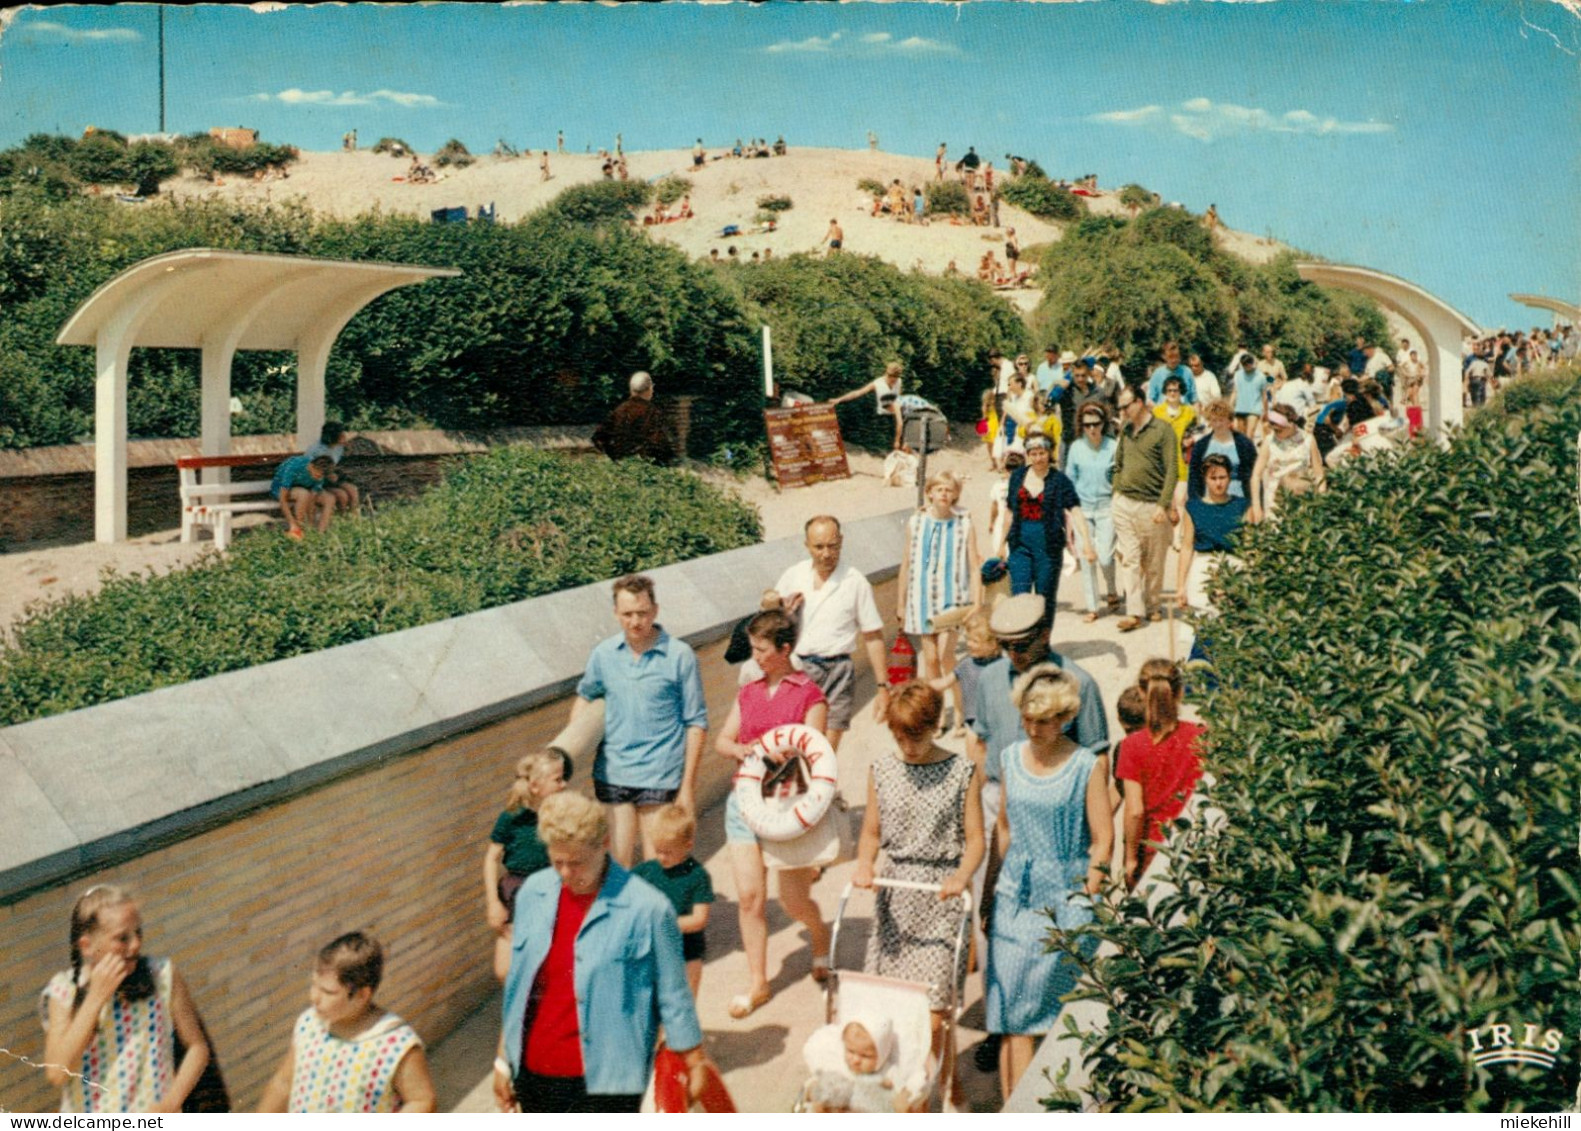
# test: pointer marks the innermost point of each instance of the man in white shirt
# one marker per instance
(1207, 382)
(1298, 395)
(1381, 369)
(837, 608)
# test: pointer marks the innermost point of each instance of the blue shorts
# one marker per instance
(737, 831)
(628, 795)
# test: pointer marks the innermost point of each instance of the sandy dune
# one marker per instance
(822, 184)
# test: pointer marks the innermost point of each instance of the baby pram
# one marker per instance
(852, 994)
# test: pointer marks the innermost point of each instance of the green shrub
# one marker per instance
(453, 153)
(99, 159)
(871, 187)
(1042, 198)
(1033, 169)
(150, 163)
(1134, 198)
(670, 189)
(947, 197)
(513, 524)
(1394, 743)
(772, 203)
(394, 146)
(602, 201)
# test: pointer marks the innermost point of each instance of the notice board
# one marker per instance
(805, 445)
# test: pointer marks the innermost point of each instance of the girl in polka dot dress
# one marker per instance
(347, 1054)
(112, 1020)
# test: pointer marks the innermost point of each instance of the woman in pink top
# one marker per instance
(781, 697)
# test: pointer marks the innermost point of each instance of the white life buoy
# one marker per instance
(787, 817)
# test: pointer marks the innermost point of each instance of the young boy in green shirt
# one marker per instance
(683, 881)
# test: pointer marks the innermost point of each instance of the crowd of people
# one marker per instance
(757, 147)
(598, 909)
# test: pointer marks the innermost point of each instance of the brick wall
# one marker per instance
(243, 908)
(46, 494)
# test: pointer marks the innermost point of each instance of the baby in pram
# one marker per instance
(855, 1068)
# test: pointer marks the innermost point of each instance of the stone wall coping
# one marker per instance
(88, 788)
(77, 459)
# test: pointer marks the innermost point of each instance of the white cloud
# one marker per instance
(815, 43)
(869, 43)
(293, 96)
(48, 29)
(1129, 117)
(1204, 120)
(917, 44)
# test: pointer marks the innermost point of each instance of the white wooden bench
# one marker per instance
(212, 504)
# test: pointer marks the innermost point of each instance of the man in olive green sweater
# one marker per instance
(1146, 466)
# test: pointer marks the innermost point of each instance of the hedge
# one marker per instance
(502, 527)
(1396, 742)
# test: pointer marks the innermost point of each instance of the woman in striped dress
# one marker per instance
(941, 571)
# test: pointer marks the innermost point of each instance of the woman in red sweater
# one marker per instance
(1158, 766)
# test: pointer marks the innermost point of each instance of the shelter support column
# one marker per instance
(216, 439)
(109, 441)
(1445, 405)
(312, 358)
(1441, 327)
(310, 364)
(113, 346)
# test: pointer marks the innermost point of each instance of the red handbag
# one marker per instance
(669, 1087)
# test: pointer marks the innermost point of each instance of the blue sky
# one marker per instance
(1434, 139)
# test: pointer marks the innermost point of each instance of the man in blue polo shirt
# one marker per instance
(655, 719)
(1171, 367)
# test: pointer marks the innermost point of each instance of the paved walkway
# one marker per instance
(761, 1055)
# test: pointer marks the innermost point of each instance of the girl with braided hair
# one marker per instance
(112, 1021)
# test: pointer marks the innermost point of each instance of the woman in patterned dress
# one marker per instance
(114, 1017)
(1056, 832)
(924, 809)
(941, 570)
(347, 1054)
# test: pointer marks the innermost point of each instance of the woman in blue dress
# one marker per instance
(1056, 833)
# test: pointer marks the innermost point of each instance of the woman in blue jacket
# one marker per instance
(1222, 440)
(1039, 497)
(596, 966)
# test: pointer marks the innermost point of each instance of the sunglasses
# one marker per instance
(1020, 645)
(1092, 424)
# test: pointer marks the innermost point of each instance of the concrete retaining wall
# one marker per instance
(259, 813)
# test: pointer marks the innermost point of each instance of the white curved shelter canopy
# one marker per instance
(1442, 328)
(1567, 312)
(218, 302)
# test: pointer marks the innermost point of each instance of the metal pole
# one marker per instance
(768, 364)
(161, 11)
